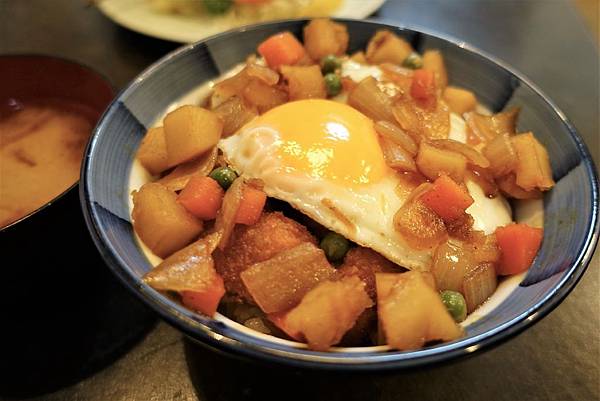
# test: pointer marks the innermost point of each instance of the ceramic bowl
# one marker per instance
(571, 208)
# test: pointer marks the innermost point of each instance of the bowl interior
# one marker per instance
(570, 225)
(28, 79)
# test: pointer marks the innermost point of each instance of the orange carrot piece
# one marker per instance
(447, 199)
(202, 197)
(518, 243)
(423, 85)
(281, 49)
(251, 206)
(205, 301)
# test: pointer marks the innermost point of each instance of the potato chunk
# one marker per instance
(280, 283)
(304, 82)
(323, 37)
(162, 223)
(433, 162)
(434, 61)
(153, 151)
(328, 311)
(412, 313)
(189, 132)
(387, 47)
(459, 100)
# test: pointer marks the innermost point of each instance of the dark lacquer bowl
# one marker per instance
(571, 208)
(61, 311)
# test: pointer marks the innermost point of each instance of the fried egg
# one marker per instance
(323, 158)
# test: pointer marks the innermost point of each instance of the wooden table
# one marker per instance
(558, 359)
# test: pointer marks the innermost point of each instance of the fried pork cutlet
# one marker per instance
(272, 234)
(364, 263)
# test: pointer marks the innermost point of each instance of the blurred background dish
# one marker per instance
(188, 20)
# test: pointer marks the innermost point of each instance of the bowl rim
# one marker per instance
(89, 69)
(256, 348)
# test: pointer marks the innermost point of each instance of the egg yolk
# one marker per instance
(326, 140)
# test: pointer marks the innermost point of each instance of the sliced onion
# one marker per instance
(234, 113)
(189, 269)
(452, 261)
(279, 283)
(395, 134)
(367, 98)
(177, 179)
(265, 74)
(484, 128)
(479, 285)
(484, 179)
(472, 155)
(509, 187)
(396, 157)
(225, 221)
(501, 154)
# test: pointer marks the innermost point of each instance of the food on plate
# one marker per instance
(335, 199)
(41, 146)
(241, 12)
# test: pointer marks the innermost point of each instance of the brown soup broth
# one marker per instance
(41, 146)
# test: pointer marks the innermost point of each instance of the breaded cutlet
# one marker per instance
(272, 234)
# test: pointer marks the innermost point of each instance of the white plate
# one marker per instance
(138, 16)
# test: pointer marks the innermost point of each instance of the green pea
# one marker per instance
(217, 6)
(456, 305)
(413, 61)
(330, 63)
(224, 176)
(335, 246)
(333, 84)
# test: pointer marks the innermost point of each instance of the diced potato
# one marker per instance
(328, 311)
(452, 261)
(323, 37)
(304, 82)
(459, 100)
(411, 312)
(177, 179)
(533, 169)
(419, 226)
(387, 47)
(432, 162)
(479, 285)
(501, 154)
(234, 113)
(189, 132)
(162, 223)
(434, 61)
(263, 96)
(367, 98)
(153, 151)
(279, 283)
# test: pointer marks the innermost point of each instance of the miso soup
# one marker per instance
(41, 146)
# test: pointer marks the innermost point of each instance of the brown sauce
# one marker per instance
(41, 146)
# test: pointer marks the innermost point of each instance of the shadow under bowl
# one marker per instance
(571, 208)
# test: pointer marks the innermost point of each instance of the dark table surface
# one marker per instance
(135, 357)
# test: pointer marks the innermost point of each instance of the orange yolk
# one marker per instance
(326, 139)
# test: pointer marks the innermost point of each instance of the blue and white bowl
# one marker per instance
(571, 226)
